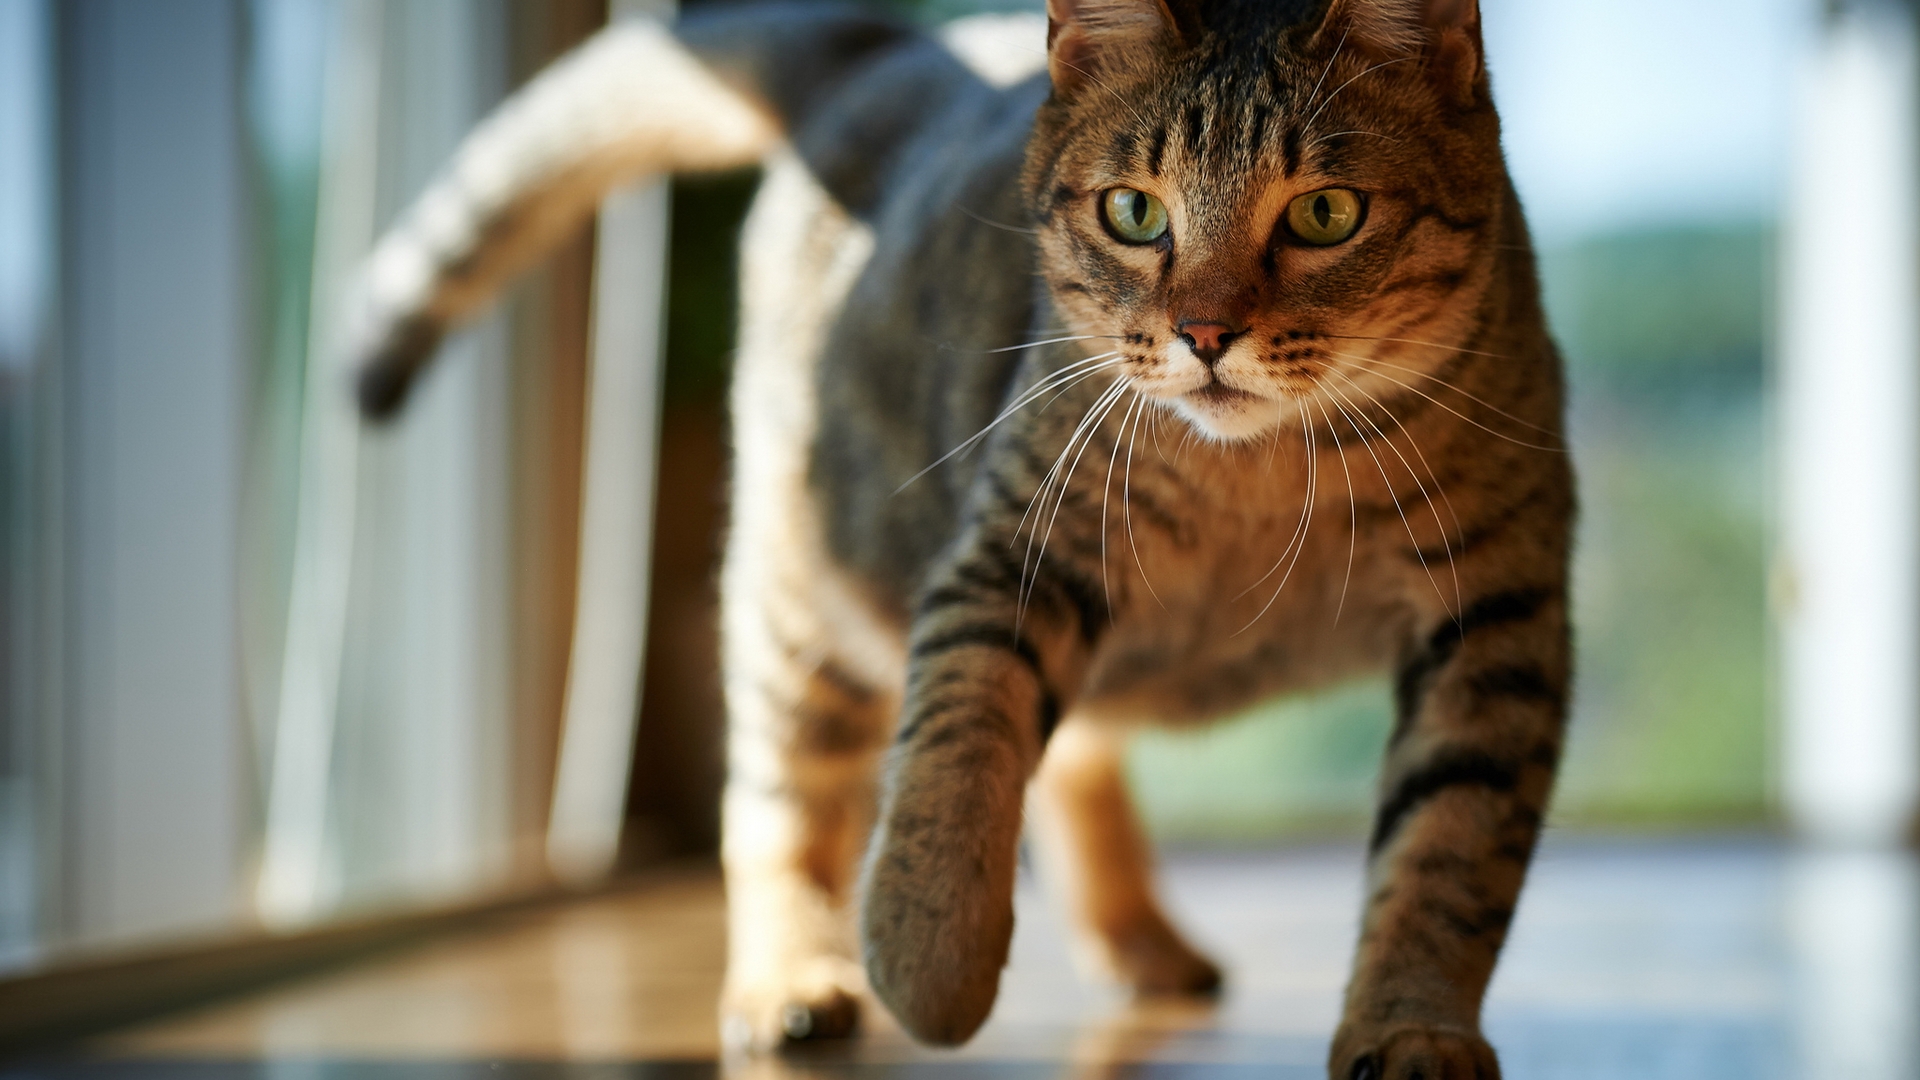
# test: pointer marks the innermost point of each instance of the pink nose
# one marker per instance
(1207, 339)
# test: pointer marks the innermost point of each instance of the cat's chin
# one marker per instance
(1232, 416)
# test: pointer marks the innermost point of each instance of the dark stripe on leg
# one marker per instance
(1500, 609)
(994, 636)
(990, 635)
(1514, 682)
(1459, 769)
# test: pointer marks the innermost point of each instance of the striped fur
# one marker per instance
(1368, 477)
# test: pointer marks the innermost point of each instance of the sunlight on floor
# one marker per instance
(1640, 959)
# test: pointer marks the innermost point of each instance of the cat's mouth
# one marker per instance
(1225, 413)
(1208, 398)
(1220, 395)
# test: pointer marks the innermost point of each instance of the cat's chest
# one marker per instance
(1237, 577)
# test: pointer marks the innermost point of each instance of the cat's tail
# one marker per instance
(638, 99)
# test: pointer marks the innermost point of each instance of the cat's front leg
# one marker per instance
(983, 695)
(1469, 768)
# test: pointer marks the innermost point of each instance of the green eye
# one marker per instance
(1134, 216)
(1324, 218)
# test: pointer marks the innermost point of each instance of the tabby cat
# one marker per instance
(1206, 365)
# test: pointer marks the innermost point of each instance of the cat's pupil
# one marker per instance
(1138, 209)
(1323, 211)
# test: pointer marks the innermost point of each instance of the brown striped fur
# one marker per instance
(1369, 476)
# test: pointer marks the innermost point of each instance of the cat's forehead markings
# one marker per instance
(1196, 129)
(1157, 149)
(1257, 127)
(1121, 151)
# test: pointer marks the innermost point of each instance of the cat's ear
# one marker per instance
(1088, 37)
(1445, 33)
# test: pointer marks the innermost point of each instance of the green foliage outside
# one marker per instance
(1665, 337)
(1663, 315)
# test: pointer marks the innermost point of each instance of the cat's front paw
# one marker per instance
(935, 944)
(820, 1002)
(1411, 1052)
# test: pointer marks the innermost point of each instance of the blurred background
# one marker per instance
(197, 742)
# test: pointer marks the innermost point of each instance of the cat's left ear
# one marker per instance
(1086, 38)
(1446, 33)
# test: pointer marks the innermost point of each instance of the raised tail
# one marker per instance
(638, 99)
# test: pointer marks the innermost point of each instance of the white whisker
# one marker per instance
(1308, 126)
(998, 224)
(1106, 496)
(1084, 376)
(1416, 341)
(1273, 444)
(1306, 523)
(1083, 434)
(1345, 32)
(1126, 506)
(1110, 90)
(1392, 495)
(1353, 508)
(1295, 538)
(1066, 377)
(1337, 134)
(1054, 341)
(1046, 482)
(1454, 411)
(1446, 538)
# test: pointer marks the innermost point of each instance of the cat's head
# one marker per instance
(1260, 205)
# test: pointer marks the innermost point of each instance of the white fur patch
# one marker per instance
(1001, 49)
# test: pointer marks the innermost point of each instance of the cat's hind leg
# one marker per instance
(804, 745)
(1094, 852)
(807, 724)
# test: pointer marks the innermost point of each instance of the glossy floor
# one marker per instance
(1695, 960)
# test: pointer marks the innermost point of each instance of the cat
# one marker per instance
(1204, 366)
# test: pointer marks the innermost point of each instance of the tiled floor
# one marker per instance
(1643, 960)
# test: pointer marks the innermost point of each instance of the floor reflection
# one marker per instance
(1691, 960)
(1853, 929)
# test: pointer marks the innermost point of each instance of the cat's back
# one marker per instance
(888, 269)
(921, 357)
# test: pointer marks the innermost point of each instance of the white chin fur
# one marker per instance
(1231, 424)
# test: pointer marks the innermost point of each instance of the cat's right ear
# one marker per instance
(1446, 32)
(1088, 38)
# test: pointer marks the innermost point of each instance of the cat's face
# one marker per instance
(1266, 215)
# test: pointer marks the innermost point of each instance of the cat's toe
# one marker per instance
(836, 1017)
(763, 1019)
(1157, 962)
(1412, 1053)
